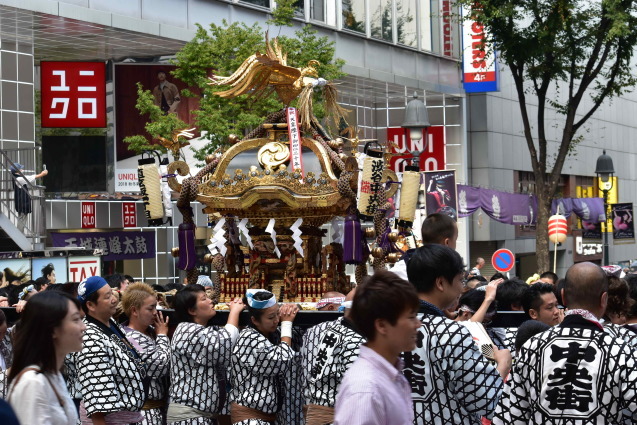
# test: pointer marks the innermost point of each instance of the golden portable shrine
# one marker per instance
(271, 191)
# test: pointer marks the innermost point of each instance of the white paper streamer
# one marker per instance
(243, 229)
(272, 232)
(296, 236)
(218, 239)
(337, 236)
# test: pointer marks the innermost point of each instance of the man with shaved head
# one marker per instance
(329, 349)
(574, 373)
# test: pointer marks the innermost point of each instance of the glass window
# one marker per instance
(426, 26)
(381, 21)
(263, 3)
(317, 10)
(406, 22)
(354, 15)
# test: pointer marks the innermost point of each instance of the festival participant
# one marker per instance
(6, 353)
(575, 372)
(200, 358)
(509, 298)
(109, 369)
(451, 381)
(619, 305)
(329, 349)
(374, 390)
(631, 319)
(436, 228)
(540, 303)
(258, 365)
(330, 301)
(147, 330)
(49, 329)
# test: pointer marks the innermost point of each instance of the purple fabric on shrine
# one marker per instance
(187, 253)
(565, 204)
(352, 240)
(589, 209)
(509, 208)
(468, 200)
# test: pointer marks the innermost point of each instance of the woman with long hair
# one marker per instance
(50, 328)
(200, 357)
(147, 330)
(259, 364)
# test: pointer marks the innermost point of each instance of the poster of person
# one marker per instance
(52, 267)
(440, 191)
(15, 271)
(623, 225)
(591, 230)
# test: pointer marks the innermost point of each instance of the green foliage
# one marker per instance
(221, 50)
(158, 124)
(283, 13)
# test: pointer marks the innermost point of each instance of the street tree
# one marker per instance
(570, 56)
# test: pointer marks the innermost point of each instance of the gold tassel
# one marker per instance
(332, 108)
(306, 112)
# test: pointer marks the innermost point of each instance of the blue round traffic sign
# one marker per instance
(503, 260)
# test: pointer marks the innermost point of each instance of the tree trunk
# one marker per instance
(544, 201)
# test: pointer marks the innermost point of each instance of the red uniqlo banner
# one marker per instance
(73, 94)
(88, 215)
(129, 214)
(433, 156)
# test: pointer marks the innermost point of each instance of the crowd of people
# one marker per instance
(104, 351)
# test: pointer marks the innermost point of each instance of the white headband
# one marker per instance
(257, 303)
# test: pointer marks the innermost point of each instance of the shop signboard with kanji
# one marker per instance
(73, 94)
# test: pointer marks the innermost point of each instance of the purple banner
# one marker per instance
(468, 200)
(588, 209)
(623, 225)
(115, 245)
(510, 208)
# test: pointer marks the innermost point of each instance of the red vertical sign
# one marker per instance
(88, 215)
(129, 214)
(433, 152)
(73, 94)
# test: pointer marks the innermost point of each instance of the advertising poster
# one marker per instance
(623, 224)
(59, 264)
(440, 190)
(13, 270)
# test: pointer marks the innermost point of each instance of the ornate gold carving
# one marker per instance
(177, 167)
(273, 154)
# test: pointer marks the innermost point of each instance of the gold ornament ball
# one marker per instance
(393, 257)
(378, 252)
(209, 158)
(232, 139)
(175, 252)
(208, 258)
(370, 232)
(393, 236)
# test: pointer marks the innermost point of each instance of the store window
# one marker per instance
(317, 10)
(262, 3)
(354, 15)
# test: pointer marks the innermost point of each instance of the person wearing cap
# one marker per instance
(200, 358)
(211, 291)
(259, 364)
(147, 330)
(329, 349)
(21, 196)
(110, 371)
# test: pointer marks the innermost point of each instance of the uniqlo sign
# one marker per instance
(88, 215)
(73, 94)
(433, 154)
(129, 214)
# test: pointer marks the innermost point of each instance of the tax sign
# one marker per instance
(129, 214)
(82, 267)
(433, 156)
(73, 94)
(503, 260)
(88, 215)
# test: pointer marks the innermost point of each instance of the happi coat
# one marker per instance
(575, 374)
